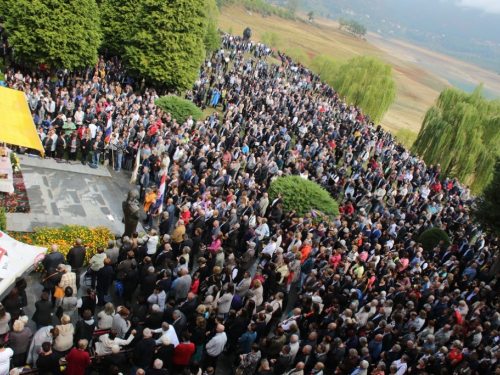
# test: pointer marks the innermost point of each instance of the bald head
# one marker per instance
(220, 328)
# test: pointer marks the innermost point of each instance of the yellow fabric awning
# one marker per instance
(16, 124)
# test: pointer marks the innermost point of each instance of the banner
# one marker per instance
(17, 260)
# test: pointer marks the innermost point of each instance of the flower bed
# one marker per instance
(66, 236)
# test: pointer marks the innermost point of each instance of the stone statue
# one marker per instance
(131, 209)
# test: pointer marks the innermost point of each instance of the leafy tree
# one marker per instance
(247, 33)
(310, 15)
(326, 67)
(116, 17)
(179, 108)
(272, 39)
(461, 132)
(293, 5)
(368, 83)
(211, 39)
(303, 195)
(61, 34)
(487, 209)
(166, 42)
(431, 237)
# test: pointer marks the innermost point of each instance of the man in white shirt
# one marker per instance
(215, 347)
(270, 247)
(168, 331)
(286, 324)
(401, 365)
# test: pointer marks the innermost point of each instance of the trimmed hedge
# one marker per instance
(179, 108)
(303, 195)
(431, 238)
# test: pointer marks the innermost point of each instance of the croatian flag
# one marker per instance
(161, 194)
(109, 127)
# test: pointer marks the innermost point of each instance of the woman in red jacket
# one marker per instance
(78, 359)
(183, 352)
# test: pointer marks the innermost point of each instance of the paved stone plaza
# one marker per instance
(61, 193)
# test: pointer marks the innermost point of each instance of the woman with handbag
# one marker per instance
(249, 361)
(50, 282)
(67, 305)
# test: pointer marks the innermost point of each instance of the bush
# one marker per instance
(66, 236)
(272, 39)
(303, 195)
(3, 220)
(179, 108)
(431, 238)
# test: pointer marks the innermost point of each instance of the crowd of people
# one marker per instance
(228, 277)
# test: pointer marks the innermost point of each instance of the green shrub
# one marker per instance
(303, 195)
(3, 220)
(179, 108)
(272, 39)
(431, 238)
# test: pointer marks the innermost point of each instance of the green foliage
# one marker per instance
(179, 108)
(61, 34)
(116, 17)
(368, 83)
(3, 220)
(298, 55)
(406, 137)
(2, 76)
(272, 39)
(302, 195)
(310, 15)
(166, 42)
(211, 39)
(326, 67)
(352, 26)
(462, 133)
(431, 238)
(487, 208)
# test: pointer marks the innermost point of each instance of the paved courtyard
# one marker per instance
(70, 194)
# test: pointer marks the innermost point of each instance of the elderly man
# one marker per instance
(298, 370)
(151, 241)
(168, 331)
(53, 259)
(178, 236)
(183, 286)
(215, 347)
(112, 252)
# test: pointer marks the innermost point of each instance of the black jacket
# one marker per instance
(144, 352)
(76, 257)
(104, 277)
(43, 312)
(52, 260)
(48, 364)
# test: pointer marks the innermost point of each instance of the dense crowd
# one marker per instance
(225, 274)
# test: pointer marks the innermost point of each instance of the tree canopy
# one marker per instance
(368, 83)
(461, 132)
(302, 195)
(117, 16)
(166, 41)
(352, 26)
(487, 208)
(61, 34)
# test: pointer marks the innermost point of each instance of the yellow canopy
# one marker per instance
(16, 124)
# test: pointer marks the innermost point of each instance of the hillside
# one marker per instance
(417, 88)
